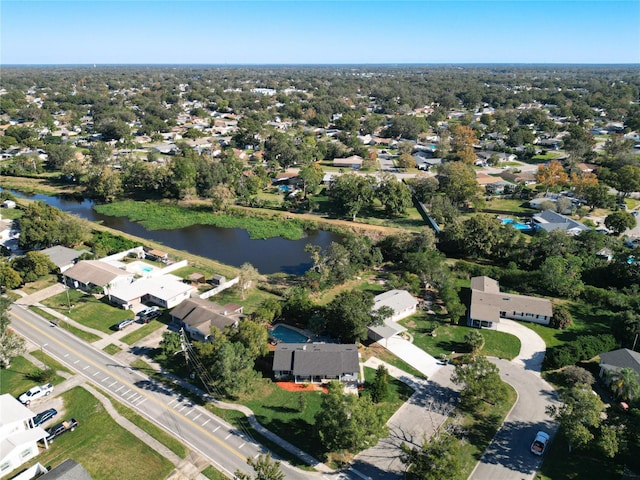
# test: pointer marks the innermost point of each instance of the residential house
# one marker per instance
(18, 437)
(198, 317)
(528, 178)
(316, 362)
(67, 470)
(354, 161)
(166, 291)
(549, 221)
(488, 305)
(90, 274)
(403, 305)
(500, 187)
(62, 257)
(619, 359)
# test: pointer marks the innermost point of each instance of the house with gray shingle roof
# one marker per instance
(550, 221)
(62, 257)
(316, 362)
(198, 316)
(90, 274)
(619, 359)
(488, 305)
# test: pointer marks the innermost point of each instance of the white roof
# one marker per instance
(164, 287)
(11, 410)
(388, 329)
(398, 300)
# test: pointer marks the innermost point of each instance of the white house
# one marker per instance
(166, 291)
(88, 274)
(401, 302)
(18, 437)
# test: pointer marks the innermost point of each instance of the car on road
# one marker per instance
(44, 417)
(540, 443)
(36, 392)
(60, 428)
(125, 323)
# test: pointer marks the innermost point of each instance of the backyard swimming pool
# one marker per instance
(288, 335)
(518, 225)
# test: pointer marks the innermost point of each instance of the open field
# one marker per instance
(20, 377)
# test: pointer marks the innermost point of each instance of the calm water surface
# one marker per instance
(231, 246)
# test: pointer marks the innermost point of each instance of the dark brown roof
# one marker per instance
(203, 314)
(310, 359)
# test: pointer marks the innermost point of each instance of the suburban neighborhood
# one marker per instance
(337, 272)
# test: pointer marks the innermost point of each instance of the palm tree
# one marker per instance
(624, 383)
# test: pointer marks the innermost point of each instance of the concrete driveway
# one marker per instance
(414, 356)
(532, 347)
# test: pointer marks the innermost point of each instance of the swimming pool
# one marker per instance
(518, 225)
(288, 335)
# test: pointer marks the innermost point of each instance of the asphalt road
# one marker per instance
(508, 456)
(224, 446)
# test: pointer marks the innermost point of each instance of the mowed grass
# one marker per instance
(40, 284)
(88, 310)
(84, 335)
(253, 298)
(145, 330)
(480, 426)
(50, 362)
(19, 377)
(112, 349)
(213, 474)
(104, 448)
(157, 433)
(510, 205)
(450, 338)
(397, 394)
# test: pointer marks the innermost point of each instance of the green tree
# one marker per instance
(561, 317)
(33, 265)
(59, 155)
(311, 176)
(437, 459)
(562, 275)
(253, 336)
(349, 315)
(458, 182)
(351, 193)
(619, 221)
(104, 183)
(480, 381)
(394, 195)
(170, 344)
(11, 345)
(264, 468)
(268, 310)
(578, 416)
(380, 387)
(475, 341)
(9, 278)
(100, 153)
(626, 180)
(624, 383)
(573, 376)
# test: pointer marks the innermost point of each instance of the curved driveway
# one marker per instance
(508, 456)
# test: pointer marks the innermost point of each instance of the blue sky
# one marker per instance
(271, 31)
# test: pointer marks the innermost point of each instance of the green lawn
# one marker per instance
(450, 338)
(20, 377)
(160, 435)
(112, 349)
(480, 426)
(143, 331)
(88, 310)
(398, 393)
(509, 204)
(213, 474)
(254, 298)
(86, 336)
(50, 362)
(101, 446)
(40, 284)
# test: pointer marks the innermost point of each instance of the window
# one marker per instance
(26, 453)
(5, 466)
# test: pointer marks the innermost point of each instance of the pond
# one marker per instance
(231, 246)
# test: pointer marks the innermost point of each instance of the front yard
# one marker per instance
(88, 310)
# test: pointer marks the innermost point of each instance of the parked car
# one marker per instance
(149, 313)
(540, 443)
(60, 428)
(44, 417)
(36, 392)
(125, 323)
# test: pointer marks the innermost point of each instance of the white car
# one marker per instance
(36, 392)
(540, 443)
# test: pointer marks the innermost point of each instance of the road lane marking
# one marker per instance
(113, 383)
(183, 407)
(105, 379)
(144, 399)
(132, 395)
(124, 393)
(243, 444)
(121, 387)
(158, 402)
(85, 367)
(216, 429)
(188, 413)
(196, 417)
(96, 373)
(174, 400)
(230, 433)
(76, 362)
(66, 355)
(208, 420)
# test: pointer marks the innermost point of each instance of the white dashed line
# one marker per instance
(96, 373)
(76, 362)
(228, 435)
(105, 379)
(124, 393)
(183, 407)
(208, 420)
(85, 367)
(216, 429)
(132, 395)
(66, 355)
(141, 402)
(188, 413)
(196, 417)
(174, 400)
(243, 444)
(121, 387)
(113, 384)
